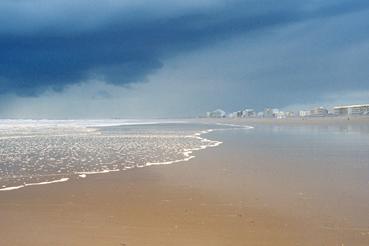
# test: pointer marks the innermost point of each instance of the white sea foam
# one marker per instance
(12, 188)
(34, 184)
(15, 128)
(211, 143)
(187, 153)
(48, 182)
(84, 174)
(235, 125)
(113, 144)
(19, 123)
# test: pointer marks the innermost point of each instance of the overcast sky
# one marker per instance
(168, 58)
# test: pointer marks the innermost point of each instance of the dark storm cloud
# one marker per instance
(52, 46)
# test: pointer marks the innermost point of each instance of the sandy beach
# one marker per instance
(268, 186)
(184, 123)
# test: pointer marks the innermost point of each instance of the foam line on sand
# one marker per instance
(34, 184)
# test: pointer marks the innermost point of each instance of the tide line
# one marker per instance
(34, 184)
(84, 174)
(187, 153)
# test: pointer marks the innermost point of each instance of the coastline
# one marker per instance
(187, 155)
(297, 121)
(229, 195)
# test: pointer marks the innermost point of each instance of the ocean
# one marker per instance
(37, 152)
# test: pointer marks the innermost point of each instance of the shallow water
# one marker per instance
(314, 172)
(32, 154)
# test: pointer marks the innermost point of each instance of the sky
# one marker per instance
(169, 58)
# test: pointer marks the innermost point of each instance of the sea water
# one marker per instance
(35, 152)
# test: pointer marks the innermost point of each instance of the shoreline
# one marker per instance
(337, 120)
(239, 193)
(143, 206)
(187, 156)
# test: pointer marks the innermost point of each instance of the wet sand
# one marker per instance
(265, 187)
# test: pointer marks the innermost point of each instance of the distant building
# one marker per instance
(237, 114)
(341, 110)
(280, 115)
(290, 114)
(361, 109)
(216, 114)
(275, 112)
(331, 112)
(304, 113)
(268, 113)
(248, 113)
(319, 111)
